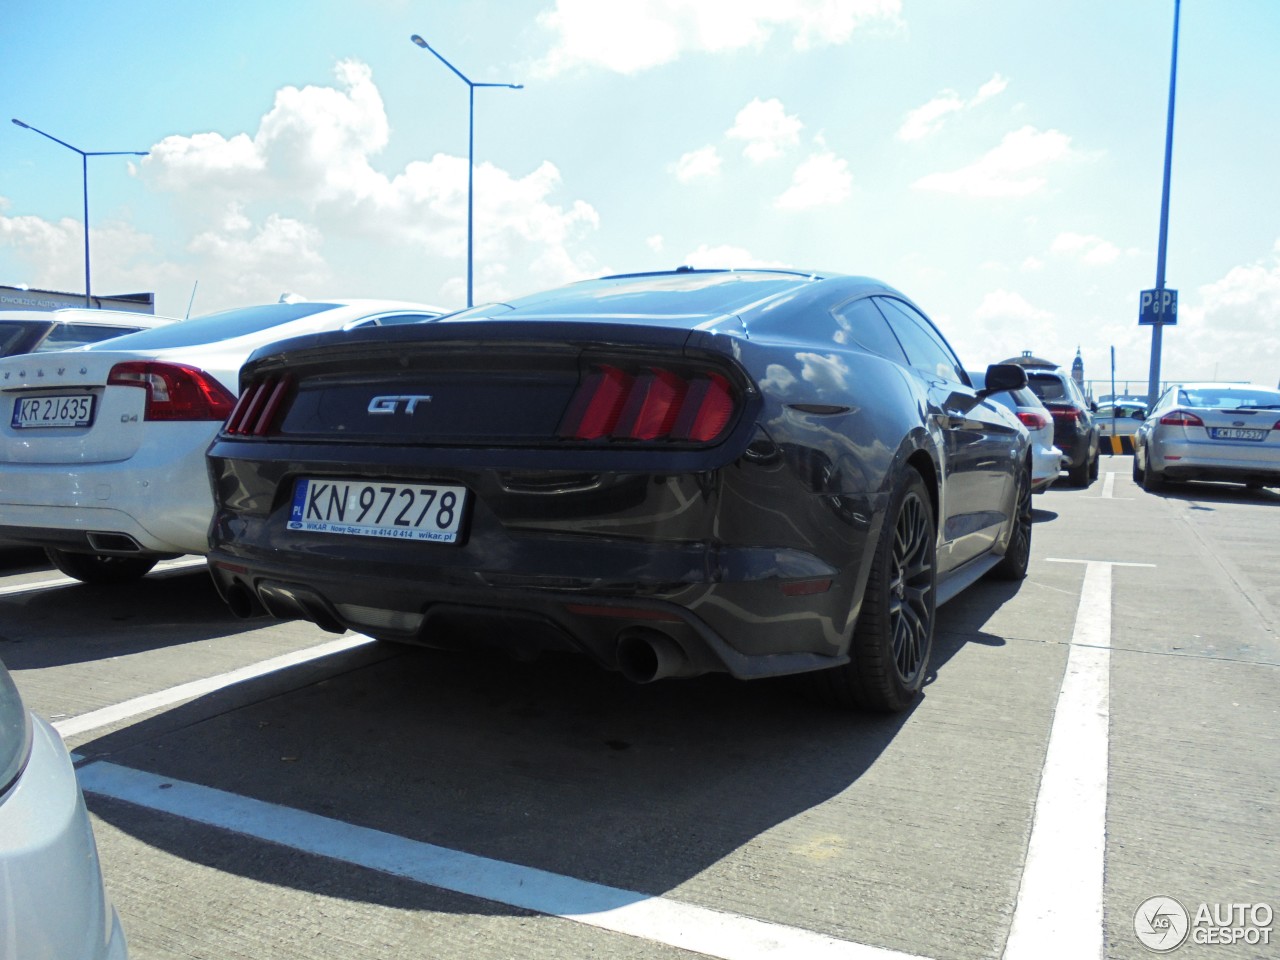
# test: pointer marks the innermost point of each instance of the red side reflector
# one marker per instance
(805, 588)
(620, 613)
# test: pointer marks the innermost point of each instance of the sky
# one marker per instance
(997, 161)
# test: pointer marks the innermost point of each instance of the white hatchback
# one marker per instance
(102, 448)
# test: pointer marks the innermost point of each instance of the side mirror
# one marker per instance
(1002, 377)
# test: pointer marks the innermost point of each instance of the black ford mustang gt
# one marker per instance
(755, 472)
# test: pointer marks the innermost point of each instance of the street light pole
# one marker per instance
(84, 179)
(471, 150)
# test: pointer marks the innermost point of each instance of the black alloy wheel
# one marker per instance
(1017, 555)
(889, 653)
(100, 568)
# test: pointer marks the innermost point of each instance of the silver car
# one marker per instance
(1210, 431)
(52, 902)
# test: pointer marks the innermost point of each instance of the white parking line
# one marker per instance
(1059, 909)
(186, 691)
(655, 919)
(164, 568)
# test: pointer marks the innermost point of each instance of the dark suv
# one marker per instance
(1074, 430)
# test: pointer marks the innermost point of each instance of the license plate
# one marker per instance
(1236, 433)
(73, 410)
(363, 508)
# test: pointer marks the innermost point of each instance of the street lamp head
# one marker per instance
(415, 38)
(21, 124)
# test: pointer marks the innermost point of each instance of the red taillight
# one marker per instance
(175, 391)
(258, 406)
(654, 403)
(1033, 419)
(1181, 418)
(1065, 413)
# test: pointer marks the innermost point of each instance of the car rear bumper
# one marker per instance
(756, 626)
(163, 504)
(1191, 460)
(51, 891)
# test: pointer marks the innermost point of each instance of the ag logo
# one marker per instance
(407, 403)
(1161, 924)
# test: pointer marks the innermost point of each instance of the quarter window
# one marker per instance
(862, 323)
(924, 346)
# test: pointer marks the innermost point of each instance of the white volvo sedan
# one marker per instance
(102, 448)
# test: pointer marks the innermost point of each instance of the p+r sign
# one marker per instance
(1158, 306)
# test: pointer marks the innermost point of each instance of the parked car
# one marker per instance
(1046, 459)
(1120, 418)
(1210, 431)
(40, 331)
(1075, 430)
(52, 901)
(102, 460)
(755, 472)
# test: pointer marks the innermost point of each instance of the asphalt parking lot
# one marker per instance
(1100, 735)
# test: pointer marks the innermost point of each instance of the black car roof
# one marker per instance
(686, 297)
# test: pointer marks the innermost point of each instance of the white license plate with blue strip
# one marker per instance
(365, 508)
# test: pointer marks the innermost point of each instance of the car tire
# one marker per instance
(892, 639)
(1079, 476)
(1013, 566)
(1152, 479)
(99, 568)
(1137, 471)
(1094, 466)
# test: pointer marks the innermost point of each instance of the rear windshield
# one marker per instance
(666, 295)
(17, 336)
(1228, 397)
(1047, 388)
(218, 326)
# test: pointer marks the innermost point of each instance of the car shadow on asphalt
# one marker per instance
(555, 764)
(80, 622)
(1201, 492)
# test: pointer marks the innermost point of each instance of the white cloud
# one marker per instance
(307, 173)
(1013, 169)
(1234, 331)
(1092, 250)
(993, 87)
(655, 243)
(767, 129)
(927, 119)
(260, 264)
(726, 257)
(704, 162)
(639, 34)
(1007, 305)
(822, 180)
(1032, 264)
(924, 120)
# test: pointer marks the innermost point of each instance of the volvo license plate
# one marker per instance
(365, 508)
(63, 410)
